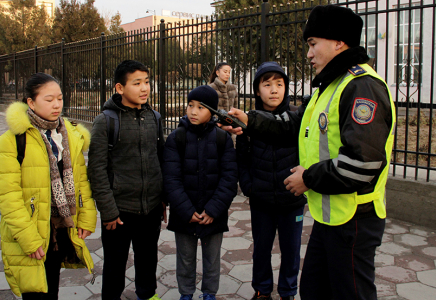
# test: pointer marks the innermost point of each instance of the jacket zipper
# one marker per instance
(80, 199)
(32, 206)
(275, 172)
(142, 164)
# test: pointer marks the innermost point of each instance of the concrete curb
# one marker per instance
(411, 201)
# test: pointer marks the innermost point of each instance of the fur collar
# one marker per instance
(19, 122)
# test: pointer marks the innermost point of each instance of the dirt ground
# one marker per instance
(407, 139)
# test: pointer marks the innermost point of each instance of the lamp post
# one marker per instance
(152, 11)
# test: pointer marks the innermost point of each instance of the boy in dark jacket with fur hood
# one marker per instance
(126, 182)
(200, 182)
(262, 169)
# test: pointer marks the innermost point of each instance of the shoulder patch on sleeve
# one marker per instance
(363, 111)
(357, 70)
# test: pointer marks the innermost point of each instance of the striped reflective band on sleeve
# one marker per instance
(284, 116)
(358, 164)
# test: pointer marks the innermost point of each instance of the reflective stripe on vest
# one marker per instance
(317, 146)
(324, 154)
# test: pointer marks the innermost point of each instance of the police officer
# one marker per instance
(345, 144)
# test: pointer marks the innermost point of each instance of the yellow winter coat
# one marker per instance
(22, 232)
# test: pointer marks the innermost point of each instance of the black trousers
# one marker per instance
(53, 266)
(339, 262)
(143, 232)
(264, 225)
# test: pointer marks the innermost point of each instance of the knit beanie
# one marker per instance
(205, 94)
(334, 23)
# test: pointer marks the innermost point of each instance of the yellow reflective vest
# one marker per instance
(319, 141)
(23, 231)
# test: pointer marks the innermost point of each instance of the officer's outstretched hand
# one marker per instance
(241, 116)
(295, 183)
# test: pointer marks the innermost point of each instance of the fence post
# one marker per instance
(62, 65)
(102, 71)
(65, 91)
(264, 38)
(15, 76)
(161, 63)
(36, 59)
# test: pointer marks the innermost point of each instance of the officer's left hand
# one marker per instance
(295, 183)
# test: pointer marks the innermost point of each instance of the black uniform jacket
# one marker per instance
(361, 143)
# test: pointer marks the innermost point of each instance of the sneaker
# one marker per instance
(185, 297)
(257, 295)
(208, 296)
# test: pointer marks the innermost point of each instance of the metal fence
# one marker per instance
(399, 36)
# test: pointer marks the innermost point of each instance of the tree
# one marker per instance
(243, 44)
(75, 21)
(115, 24)
(23, 26)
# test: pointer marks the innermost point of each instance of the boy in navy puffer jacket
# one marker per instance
(200, 184)
(262, 170)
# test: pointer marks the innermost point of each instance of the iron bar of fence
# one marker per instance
(63, 69)
(102, 70)
(162, 64)
(35, 59)
(264, 37)
(432, 80)
(15, 75)
(419, 93)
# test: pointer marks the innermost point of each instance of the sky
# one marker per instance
(133, 9)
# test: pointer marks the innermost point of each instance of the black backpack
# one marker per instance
(221, 137)
(113, 126)
(21, 146)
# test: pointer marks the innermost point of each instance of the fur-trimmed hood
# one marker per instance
(19, 122)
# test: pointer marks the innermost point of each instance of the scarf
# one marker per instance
(63, 198)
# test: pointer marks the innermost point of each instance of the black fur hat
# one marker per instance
(334, 23)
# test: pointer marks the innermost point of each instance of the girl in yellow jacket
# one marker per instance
(45, 203)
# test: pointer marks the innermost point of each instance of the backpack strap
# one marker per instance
(181, 142)
(221, 137)
(157, 116)
(113, 127)
(21, 146)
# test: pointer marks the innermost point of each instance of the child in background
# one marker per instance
(126, 182)
(262, 169)
(200, 182)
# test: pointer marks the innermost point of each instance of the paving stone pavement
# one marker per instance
(405, 262)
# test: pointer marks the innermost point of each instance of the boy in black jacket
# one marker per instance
(262, 169)
(200, 181)
(126, 183)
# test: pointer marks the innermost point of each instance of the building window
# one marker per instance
(407, 47)
(369, 33)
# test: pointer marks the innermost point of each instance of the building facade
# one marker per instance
(48, 5)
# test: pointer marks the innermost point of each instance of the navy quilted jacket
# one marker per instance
(201, 182)
(264, 166)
